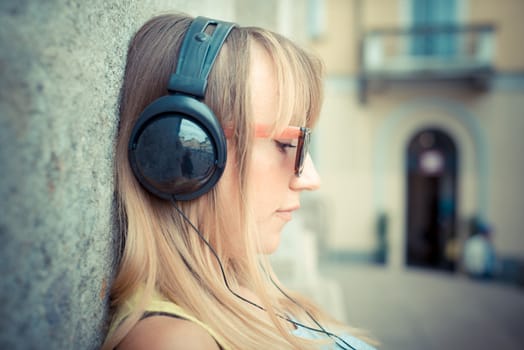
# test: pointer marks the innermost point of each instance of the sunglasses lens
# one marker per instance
(302, 150)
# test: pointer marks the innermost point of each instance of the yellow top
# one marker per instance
(162, 305)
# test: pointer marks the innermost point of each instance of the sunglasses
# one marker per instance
(302, 134)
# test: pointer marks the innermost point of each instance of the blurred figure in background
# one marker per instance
(479, 253)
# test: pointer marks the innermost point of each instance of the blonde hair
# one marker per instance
(161, 253)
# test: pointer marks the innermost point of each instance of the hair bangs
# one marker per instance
(299, 78)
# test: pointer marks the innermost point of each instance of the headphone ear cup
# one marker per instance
(177, 149)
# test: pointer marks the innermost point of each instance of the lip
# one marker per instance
(287, 213)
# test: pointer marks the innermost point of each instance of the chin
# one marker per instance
(270, 251)
(270, 245)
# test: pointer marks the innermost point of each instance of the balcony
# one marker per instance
(463, 54)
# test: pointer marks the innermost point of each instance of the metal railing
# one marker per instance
(427, 53)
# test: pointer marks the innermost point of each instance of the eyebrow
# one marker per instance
(265, 130)
(290, 132)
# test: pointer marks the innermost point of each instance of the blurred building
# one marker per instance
(421, 133)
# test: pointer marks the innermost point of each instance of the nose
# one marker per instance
(309, 179)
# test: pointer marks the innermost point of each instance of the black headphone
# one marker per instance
(177, 149)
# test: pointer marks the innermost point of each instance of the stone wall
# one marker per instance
(61, 65)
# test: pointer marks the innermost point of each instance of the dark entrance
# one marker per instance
(431, 199)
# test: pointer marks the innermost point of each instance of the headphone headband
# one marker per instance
(198, 52)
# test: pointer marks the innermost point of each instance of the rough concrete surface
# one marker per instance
(61, 64)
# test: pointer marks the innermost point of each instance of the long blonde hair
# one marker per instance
(161, 253)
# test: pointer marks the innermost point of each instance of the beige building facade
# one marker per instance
(365, 148)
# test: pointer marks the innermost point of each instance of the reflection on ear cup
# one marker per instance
(175, 154)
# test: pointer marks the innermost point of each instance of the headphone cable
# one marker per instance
(215, 254)
(323, 330)
(295, 323)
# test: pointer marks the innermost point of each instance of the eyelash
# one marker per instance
(282, 146)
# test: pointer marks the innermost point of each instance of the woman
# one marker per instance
(193, 272)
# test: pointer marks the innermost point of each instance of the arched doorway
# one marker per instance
(431, 174)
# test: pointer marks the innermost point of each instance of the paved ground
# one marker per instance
(419, 309)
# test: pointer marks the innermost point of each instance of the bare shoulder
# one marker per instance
(167, 333)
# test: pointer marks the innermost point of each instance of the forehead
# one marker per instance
(263, 86)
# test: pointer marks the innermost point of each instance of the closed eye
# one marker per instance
(283, 146)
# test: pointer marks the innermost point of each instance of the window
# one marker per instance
(432, 17)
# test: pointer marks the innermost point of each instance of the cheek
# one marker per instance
(263, 183)
(268, 185)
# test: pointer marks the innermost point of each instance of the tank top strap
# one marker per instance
(164, 307)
